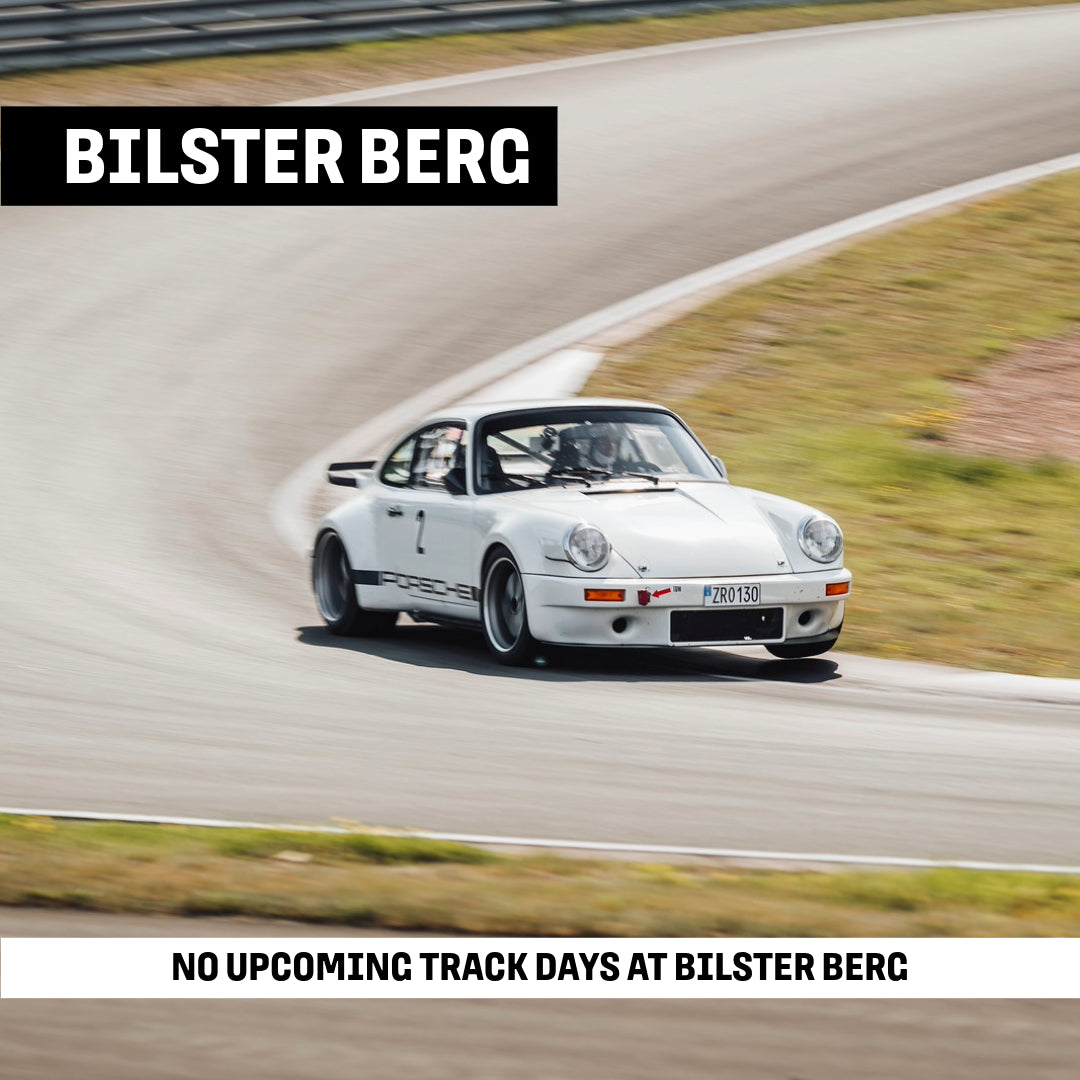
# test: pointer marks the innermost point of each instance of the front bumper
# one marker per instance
(791, 607)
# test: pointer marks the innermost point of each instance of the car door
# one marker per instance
(393, 514)
(425, 530)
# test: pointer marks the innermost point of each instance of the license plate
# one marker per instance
(733, 595)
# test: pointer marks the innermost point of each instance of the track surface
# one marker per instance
(163, 370)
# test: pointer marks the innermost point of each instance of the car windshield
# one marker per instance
(585, 446)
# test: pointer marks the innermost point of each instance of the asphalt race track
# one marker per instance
(163, 370)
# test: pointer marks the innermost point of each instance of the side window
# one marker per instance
(398, 464)
(440, 449)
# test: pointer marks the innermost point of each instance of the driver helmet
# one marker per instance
(604, 448)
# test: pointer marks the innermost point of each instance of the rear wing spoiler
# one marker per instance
(348, 466)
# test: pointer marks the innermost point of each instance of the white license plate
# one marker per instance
(733, 595)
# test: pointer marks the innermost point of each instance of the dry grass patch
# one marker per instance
(404, 884)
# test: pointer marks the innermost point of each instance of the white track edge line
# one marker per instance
(729, 41)
(289, 500)
(899, 861)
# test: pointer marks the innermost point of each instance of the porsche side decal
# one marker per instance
(413, 583)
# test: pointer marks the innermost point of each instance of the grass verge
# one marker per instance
(282, 76)
(406, 884)
(837, 384)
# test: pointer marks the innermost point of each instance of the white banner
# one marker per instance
(539, 968)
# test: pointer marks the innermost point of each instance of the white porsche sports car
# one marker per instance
(575, 522)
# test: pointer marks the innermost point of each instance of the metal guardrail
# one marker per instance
(67, 33)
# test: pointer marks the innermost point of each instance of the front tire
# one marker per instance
(335, 593)
(503, 612)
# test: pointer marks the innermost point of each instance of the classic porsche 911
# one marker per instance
(575, 522)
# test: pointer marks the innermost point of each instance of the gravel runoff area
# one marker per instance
(1026, 406)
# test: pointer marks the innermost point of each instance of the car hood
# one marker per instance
(694, 530)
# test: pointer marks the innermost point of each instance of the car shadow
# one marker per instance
(428, 646)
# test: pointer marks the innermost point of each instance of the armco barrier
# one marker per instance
(66, 33)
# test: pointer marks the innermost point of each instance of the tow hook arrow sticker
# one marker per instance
(644, 595)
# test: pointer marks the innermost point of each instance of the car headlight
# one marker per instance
(587, 548)
(821, 539)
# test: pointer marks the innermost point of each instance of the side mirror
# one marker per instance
(721, 466)
(333, 473)
(455, 481)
